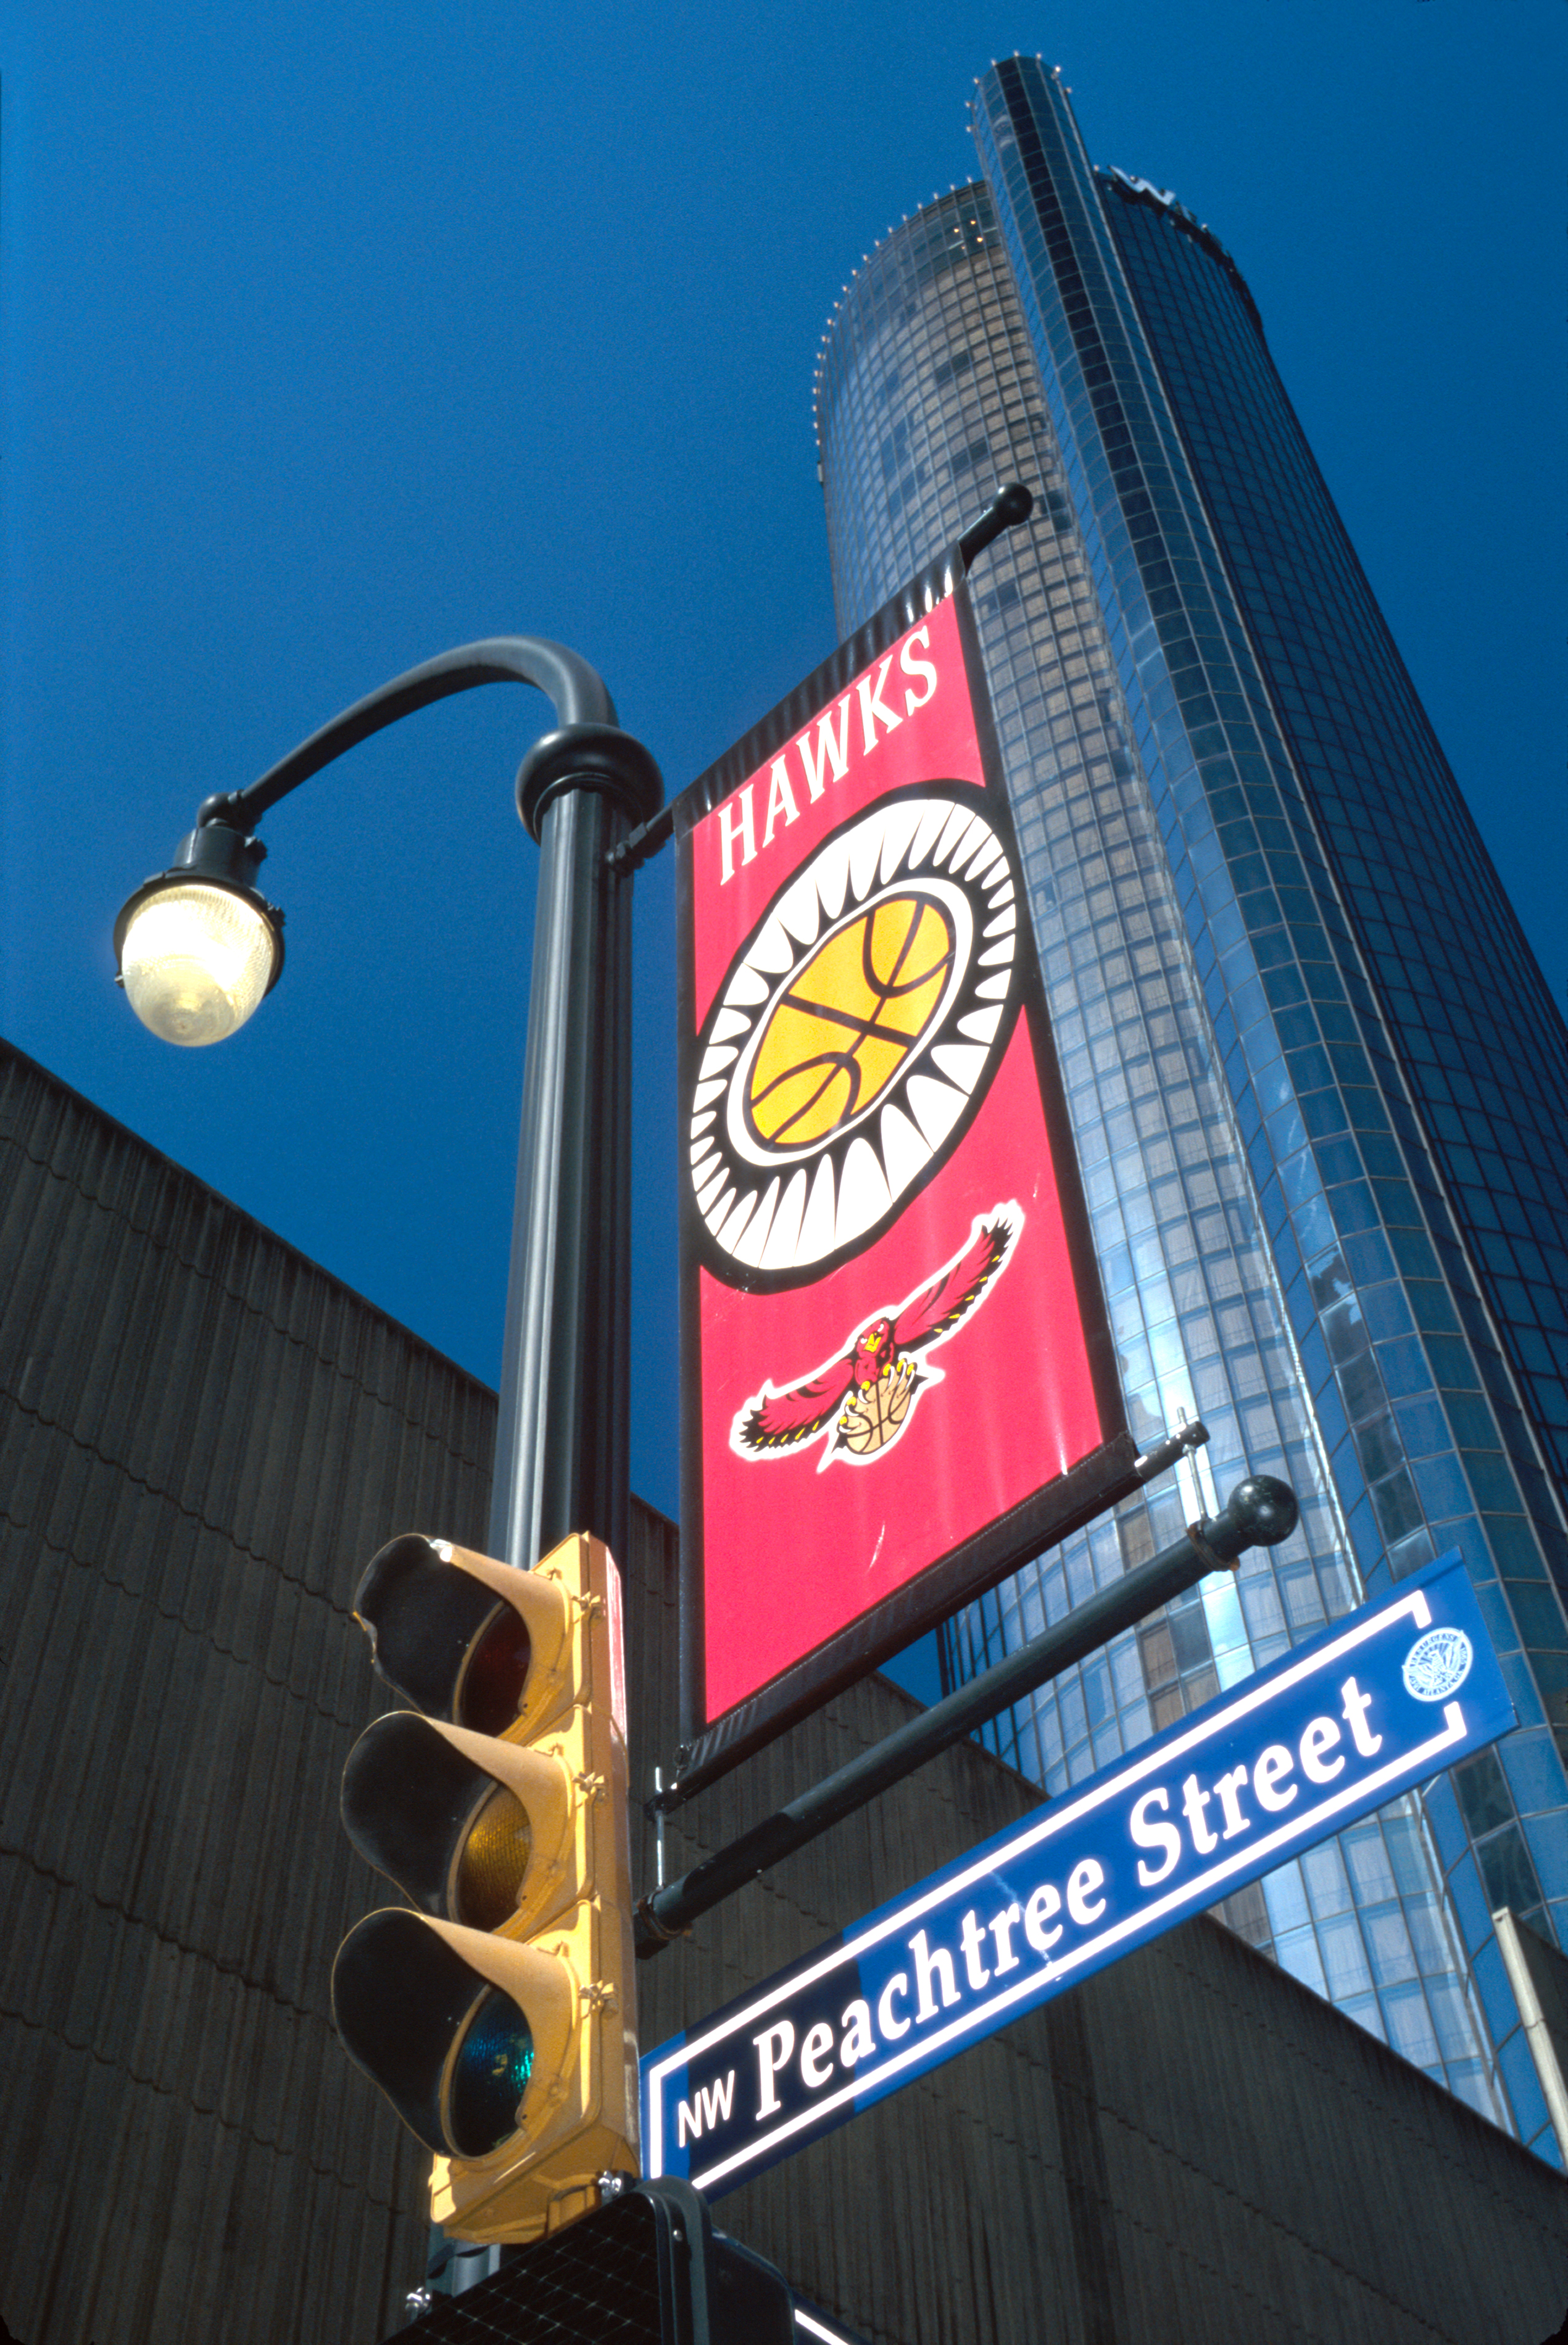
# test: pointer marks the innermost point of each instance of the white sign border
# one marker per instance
(1201, 1891)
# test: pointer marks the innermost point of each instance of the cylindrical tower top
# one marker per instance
(913, 436)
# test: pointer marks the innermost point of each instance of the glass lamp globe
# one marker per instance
(195, 959)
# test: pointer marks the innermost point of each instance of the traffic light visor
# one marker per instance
(464, 1638)
(451, 2026)
(471, 1829)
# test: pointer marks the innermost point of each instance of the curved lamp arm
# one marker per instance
(570, 683)
(205, 914)
(578, 692)
(214, 947)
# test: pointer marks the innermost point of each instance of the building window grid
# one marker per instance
(1288, 583)
(1405, 946)
(1261, 1141)
(1084, 1719)
(1557, 1635)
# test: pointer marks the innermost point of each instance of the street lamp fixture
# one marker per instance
(199, 946)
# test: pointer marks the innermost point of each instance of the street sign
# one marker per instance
(897, 1377)
(1381, 1701)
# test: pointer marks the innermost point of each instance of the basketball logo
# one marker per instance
(873, 1419)
(843, 1028)
(854, 1036)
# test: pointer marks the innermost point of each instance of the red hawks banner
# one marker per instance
(897, 1379)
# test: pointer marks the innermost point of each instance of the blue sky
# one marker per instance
(334, 336)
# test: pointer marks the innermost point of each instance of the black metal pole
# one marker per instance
(1260, 1512)
(563, 1433)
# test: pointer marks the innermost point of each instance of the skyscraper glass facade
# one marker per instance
(1312, 1068)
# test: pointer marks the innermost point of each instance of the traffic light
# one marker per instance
(497, 2011)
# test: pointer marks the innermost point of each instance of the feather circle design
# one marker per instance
(855, 1033)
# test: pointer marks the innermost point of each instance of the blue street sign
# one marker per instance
(1332, 1730)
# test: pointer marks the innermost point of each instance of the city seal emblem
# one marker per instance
(1437, 1664)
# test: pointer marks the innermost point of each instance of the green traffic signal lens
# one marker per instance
(495, 1674)
(490, 2075)
(492, 1862)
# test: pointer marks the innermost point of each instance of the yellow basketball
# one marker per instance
(846, 1022)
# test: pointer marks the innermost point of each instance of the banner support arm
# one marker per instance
(1260, 1512)
(1007, 509)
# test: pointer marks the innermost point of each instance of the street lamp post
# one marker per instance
(199, 948)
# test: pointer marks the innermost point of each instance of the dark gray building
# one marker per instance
(203, 1437)
(1318, 1086)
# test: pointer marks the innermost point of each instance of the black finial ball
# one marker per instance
(1262, 1511)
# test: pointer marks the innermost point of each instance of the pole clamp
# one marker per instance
(653, 1930)
(1207, 1554)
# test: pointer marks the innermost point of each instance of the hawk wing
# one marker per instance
(937, 1308)
(777, 1420)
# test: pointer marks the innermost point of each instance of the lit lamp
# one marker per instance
(199, 946)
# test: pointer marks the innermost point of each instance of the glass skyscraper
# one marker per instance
(1319, 1088)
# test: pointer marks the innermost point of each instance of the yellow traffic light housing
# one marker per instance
(498, 2018)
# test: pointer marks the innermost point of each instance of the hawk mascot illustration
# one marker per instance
(863, 1399)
